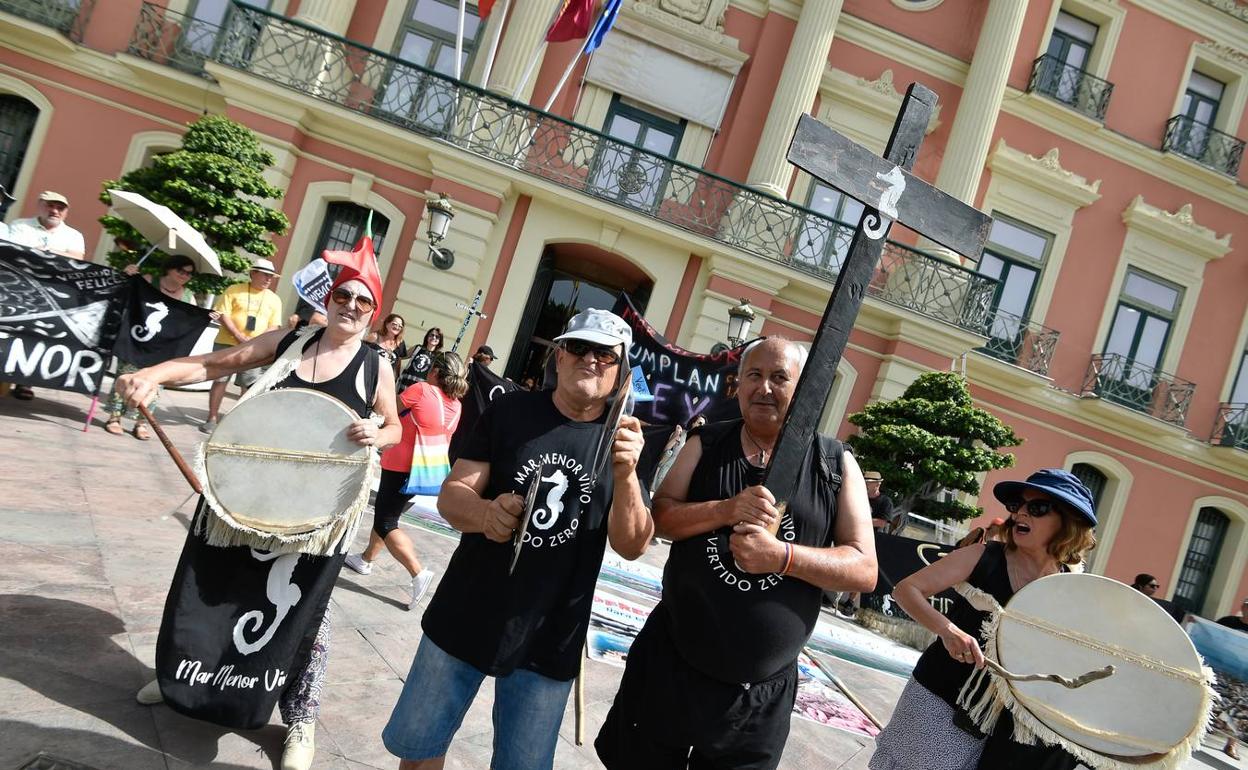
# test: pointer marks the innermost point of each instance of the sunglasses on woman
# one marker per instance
(1035, 508)
(344, 297)
(604, 356)
(185, 270)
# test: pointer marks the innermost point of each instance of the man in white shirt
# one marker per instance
(47, 230)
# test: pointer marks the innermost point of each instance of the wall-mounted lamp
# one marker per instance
(441, 212)
(740, 318)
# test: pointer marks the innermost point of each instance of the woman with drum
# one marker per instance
(389, 341)
(332, 360)
(431, 411)
(1049, 531)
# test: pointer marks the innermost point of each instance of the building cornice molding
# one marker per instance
(890, 45)
(1205, 17)
(705, 43)
(878, 97)
(1189, 175)
(1179, 229)
(790, 9)
(1044, 173)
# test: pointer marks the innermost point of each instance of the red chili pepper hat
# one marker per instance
(1056, 483)
(359, 264)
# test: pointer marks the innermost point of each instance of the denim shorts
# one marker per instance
(528, 709)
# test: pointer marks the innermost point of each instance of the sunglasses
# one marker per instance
(344, 297)
(1153, 585)
(604, 356)
(1035, 508)
(185, 270)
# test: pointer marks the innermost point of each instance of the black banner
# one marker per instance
(155, 327)
(684, 384)
(899, 558)
(483, 387)
(58, 319)
(237, 627)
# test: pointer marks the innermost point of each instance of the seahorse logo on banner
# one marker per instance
(281, 592)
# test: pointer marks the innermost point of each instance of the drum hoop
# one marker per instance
(225, 528)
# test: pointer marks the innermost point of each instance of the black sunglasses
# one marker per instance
(343, 297)
(604, 356)
(1035, 508)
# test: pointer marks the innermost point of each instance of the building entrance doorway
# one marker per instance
(569, 279)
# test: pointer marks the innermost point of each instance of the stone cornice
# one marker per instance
(879, 96)
(1201, 17)
(704, 44)
(890, 45)
(1179, 229)
(1044, 173)
(760, 8)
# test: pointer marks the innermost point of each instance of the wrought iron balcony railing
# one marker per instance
(1203, 144)
(1231, 426)
(68, 16)
(1020, 342)
(1142, 388)
(1084, 93)
(367, 81)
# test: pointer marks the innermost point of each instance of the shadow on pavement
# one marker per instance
(354, 587)
(74, 654)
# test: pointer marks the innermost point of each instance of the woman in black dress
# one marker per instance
(388, 338)
(1049, 531)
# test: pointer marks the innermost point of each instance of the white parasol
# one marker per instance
(165, 230)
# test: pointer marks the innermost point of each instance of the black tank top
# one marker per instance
(731, 625)
(341, 387)
(940, 673)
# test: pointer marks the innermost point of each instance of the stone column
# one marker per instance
(330, 15)
(522, 40)
(804, 66)
(971, 134)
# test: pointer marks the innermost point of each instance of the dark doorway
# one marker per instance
(569, 279)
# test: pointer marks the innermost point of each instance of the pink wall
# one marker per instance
(951, 27)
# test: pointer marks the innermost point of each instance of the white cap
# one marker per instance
(600, 327)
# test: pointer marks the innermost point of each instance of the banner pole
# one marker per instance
(145, 256)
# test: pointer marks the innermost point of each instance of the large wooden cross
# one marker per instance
(889, 193)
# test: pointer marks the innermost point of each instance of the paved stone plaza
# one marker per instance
(90, 529)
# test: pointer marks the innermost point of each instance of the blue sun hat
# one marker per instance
(1054, 482)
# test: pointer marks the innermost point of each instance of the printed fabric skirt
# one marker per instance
(921, 736)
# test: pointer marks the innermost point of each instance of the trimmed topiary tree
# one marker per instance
(932, 439)
(215, 182)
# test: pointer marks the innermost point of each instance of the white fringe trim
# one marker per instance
(997, 695)
(220, 529)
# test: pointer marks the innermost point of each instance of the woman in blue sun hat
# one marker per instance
(1049, 531)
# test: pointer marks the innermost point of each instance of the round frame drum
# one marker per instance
(1070, 624)
(281, 462)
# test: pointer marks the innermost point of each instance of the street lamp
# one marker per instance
(441, 212)
(740, 318)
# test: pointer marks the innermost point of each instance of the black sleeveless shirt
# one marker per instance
(731, 625)
(341, 387)
(936, 670)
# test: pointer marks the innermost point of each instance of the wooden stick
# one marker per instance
(95, 403)
(172, 450)
(1067, 682)
(836, 680)
(580, 700)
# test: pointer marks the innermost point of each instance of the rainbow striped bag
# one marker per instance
(431, 462)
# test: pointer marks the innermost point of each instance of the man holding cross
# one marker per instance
(714, 670)
(764, 513)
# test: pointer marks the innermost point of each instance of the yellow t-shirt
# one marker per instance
(241, 301)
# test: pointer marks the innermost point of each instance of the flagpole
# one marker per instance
(459, 40)
(497, 36)
(537, 54)
(567, 72)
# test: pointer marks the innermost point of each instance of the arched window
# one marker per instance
(1094, 480)
(343, 225)
(17, 121)
(1201, 559)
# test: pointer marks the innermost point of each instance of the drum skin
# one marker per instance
(1140, 710)
(281, 462)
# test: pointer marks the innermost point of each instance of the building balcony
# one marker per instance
(1231, 427)
(352, 76)
(1018, 341)
(1078, 90)
(1207, 146)
(68, 16)
(1140, 388)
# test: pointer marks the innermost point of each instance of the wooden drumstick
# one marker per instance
(580, 700)
(836, 681)
(172, 450)
(1067, 682)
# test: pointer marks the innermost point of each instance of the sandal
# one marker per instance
(113, 426)
(140, 432)
(23, 392)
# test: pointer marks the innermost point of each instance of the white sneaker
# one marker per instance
(299, 747)
(420, 586)
(150, 695)
(357, 563)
